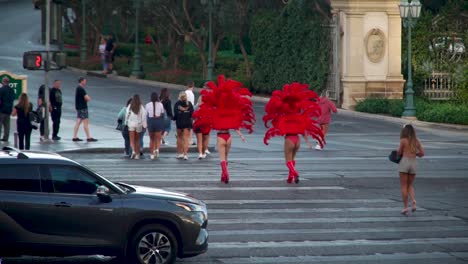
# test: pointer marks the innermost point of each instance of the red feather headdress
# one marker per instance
(293, 110)
(225, 106)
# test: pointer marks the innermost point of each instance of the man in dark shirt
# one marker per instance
(81, 106)
(110, 53)
(56, 108)
(7, 96)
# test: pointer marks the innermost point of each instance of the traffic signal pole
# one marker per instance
(47, 66)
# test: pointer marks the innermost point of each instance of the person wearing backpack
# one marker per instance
(23, 123)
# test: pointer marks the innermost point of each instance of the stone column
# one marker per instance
(371, 49)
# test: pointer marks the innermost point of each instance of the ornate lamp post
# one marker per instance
(210, 65)
(409, 12)
(136, 69)
(83, 32)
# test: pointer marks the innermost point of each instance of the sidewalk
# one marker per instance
(109, 140)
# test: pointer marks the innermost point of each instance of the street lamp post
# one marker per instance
(83, 32)
(210, 65)
(409, 12)
(136, 70)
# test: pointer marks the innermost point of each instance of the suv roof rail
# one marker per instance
(20, 155)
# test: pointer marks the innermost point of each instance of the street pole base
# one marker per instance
(136, 75)
(412, 118)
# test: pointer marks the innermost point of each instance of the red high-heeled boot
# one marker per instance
(293, 175)
(224, 173)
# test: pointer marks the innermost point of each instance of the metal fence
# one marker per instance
(440, 86)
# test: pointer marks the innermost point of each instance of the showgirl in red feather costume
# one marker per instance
(225, 106)
(292, 112)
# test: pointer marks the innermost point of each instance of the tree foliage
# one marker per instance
(289, 46)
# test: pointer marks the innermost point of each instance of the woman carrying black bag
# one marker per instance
(410, 148)
(23, 123)
(124, 129)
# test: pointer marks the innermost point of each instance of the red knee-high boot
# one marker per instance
(293, 175)
(224, 173)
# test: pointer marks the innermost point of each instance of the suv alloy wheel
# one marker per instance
(153, 244)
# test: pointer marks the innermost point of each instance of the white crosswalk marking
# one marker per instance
(258, 218)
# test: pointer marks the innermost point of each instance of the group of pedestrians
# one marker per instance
(27, 115)
(107, 49)
(23, 111)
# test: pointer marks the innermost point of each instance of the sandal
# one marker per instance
(413, 207)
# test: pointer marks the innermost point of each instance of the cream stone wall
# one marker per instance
(370, 48)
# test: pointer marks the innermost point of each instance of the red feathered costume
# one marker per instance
(293, 111)
(225, 106)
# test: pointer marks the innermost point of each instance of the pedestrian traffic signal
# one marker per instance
(32, 60)
(37, 60)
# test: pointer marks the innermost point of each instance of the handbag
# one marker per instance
(394, 157)
(119, 124)
(34, 119)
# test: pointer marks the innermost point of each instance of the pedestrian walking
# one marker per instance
(155, 115)
(41, 108)
(410, 148)
(23, 123)
(226, 106)
(121, 119)
(136, 122)
(183, 110)
(7, 97)
(202, 133)
(168, 117)
(102, 52)
(56, 101)
(81, 106)
(191, 99)
(327, 107)
(291, 112)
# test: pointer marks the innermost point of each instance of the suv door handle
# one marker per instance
(62, 204)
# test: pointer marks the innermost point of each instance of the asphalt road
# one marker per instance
(345, 209)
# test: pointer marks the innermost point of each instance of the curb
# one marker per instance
(398, 120)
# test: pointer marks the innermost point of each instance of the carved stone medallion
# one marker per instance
(375, 45)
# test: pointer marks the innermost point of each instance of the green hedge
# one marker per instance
(430, 111)
(289, 46)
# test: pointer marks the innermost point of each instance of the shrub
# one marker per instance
(430, 111)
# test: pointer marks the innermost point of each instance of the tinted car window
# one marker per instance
(25, 178)
(72, 180)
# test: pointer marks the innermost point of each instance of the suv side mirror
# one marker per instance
(103, 194)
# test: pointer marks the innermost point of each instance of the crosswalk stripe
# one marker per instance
(330, 220)
(301, 201)
(306, 210)
(215, 233)
(231, 188)
(336, 243)
(375, 258)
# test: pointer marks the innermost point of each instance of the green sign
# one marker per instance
(16, 84)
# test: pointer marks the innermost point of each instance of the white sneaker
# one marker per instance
(137, 156)
(318, 147)
(207, 152)
(180, 156)
(152, 156)
(203, 156)
(185, 157)
(156, 153)
(200, 156)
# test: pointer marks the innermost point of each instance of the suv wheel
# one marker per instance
(153, 244)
